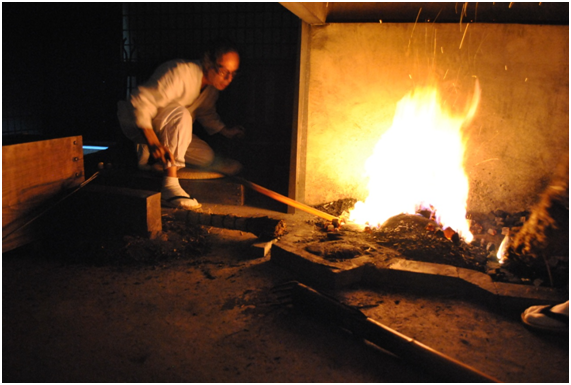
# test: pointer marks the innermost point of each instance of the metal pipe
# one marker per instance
(281, 198)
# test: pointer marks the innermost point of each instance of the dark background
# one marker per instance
(66, 65)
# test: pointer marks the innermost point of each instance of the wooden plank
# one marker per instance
(34, 175)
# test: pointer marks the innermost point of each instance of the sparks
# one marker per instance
(413, 28)
(466, 30)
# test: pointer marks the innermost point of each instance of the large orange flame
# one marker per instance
(418, 164)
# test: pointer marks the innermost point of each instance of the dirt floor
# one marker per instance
(212, 317)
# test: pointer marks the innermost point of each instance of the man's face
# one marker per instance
(224, 71)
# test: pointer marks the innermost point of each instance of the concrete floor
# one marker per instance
(215, 319)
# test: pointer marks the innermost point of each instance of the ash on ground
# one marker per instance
(177, 241)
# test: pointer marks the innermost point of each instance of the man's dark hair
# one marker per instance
(215, 50)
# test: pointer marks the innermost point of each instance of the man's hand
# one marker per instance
(234, 132)
(161, 153)
(156, 148)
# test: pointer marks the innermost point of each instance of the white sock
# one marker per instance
(171, 188)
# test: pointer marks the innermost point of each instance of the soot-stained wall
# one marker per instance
(358, 72)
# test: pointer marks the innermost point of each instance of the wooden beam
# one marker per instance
(298, 156)
(311, 13)
(33, 176)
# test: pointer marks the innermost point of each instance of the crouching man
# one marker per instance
(160, 114)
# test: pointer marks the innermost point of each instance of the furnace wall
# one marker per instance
(358, 72)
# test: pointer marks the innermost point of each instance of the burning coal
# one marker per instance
(432, 177)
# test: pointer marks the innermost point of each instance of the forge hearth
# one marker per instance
(406, 256)
(412, 237)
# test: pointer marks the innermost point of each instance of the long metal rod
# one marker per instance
(288, 201)
(332, 311)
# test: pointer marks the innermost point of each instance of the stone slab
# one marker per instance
(421, 277)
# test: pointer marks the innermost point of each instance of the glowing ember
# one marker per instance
(418, 165)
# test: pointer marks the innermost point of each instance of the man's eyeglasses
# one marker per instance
(222, 71)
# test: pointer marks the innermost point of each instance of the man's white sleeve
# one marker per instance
(164, 87)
